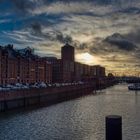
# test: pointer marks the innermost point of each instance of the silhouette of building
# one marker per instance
(67, 70)
(78, 71)
(48, 72)
(9, 65)
(23, 66)
(23, 69)
(63, 69)
(67, 53)
(97, 71)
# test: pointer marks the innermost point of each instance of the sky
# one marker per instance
(104, 32)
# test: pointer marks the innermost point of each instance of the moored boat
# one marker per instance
(135, 86)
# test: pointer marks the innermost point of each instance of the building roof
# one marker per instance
(12, 53)
(68, 45)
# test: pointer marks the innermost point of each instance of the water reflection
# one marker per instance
(80, 119)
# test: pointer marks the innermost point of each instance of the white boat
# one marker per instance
(135, 86)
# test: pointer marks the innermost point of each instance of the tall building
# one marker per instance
(67, 53)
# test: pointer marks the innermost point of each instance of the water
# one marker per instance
(79, 119)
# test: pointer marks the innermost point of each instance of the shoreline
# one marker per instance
(24, 98)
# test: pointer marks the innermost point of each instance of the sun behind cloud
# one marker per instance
(86, 58)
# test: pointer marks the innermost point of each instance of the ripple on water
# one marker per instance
(79, 119)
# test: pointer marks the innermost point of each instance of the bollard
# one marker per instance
(113, 127)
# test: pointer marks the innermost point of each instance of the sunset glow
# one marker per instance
(86, 58)
(107, 29)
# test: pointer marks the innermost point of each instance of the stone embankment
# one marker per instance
(21, 98)
(38, 96)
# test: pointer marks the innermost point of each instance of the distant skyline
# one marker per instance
(104, 32)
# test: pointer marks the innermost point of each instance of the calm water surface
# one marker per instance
(79, 119)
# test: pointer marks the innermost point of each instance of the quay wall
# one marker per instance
(40, 96)
(45, 96)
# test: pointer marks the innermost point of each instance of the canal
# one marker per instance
(79, 119)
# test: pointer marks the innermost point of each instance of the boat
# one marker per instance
(135, 86)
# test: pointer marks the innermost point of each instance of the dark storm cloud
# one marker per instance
(114, 45)
(82, 46)
(36, 29)
(134, 35)
(64, 39)
(121, 42)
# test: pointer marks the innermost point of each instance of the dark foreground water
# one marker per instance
(79, 119)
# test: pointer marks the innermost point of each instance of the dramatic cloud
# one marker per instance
(36, 29)
(121, 42)
(134, 35)
(107, 29)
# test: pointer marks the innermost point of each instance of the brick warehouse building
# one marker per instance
(67, 70)
(67, 54)
(63, 69)
(22, 66)
(23, 69)
(97, 71)
(9, 65)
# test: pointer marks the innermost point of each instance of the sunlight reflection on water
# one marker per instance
(79, 119)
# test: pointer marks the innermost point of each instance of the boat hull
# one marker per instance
(134, 87)
(131, 88)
